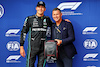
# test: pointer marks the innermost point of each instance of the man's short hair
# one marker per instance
(56, 9)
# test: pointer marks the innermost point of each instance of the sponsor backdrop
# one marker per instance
(83, 14)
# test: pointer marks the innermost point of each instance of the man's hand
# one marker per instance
(58, 41)
(22, 51)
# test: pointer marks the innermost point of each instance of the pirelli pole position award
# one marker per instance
(50, 51)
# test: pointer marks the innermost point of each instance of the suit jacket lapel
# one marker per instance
(63, 25)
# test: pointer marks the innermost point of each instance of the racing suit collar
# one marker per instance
(39, 17)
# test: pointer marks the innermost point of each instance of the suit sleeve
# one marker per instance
(24, 31)
(50, 29)
(70, 32)
(49, 22)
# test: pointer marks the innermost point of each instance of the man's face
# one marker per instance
(56, 14)
(40, 9)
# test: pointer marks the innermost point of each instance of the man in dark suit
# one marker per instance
(63, 33)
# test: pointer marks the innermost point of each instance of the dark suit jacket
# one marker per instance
(67, 36)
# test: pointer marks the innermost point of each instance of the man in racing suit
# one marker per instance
(37, 26)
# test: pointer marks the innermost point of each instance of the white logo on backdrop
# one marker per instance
(13, 59)
(12, 32)
(69, 6)
(13, 46)
(89, 30)
(90, 43)
(1, 11)
(90, 57)
(91, 66)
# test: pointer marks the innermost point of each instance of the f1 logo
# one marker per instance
(69, 5)
(13, 59)
(90, 57)
(12, 32)
(89, 30)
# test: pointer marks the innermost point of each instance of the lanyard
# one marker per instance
(57, 29)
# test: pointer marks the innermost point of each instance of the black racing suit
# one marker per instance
(38, 28)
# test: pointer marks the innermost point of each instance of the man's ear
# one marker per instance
(45, 9)
(61, 14)
(36, 8)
